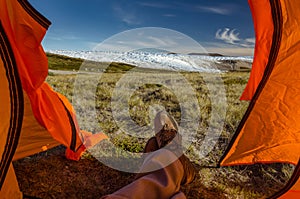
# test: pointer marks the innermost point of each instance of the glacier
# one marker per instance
(163, 60)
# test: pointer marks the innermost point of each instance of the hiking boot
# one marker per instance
(151, 145)
(165, 128)
(166, 133)
(189, 170)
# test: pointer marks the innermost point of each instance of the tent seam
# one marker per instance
(16, 104)
(37, 16)
(277, 34)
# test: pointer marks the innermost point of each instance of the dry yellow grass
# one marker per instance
(49, 175)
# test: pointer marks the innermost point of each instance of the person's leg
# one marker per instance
(168, 136)
(162, 183)
(165, 167)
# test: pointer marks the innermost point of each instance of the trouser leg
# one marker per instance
(162, 183)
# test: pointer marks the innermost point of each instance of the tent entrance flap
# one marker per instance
(269, 131)
(34, 138)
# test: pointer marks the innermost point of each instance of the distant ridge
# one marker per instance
(207, 54)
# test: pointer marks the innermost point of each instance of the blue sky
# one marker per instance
(222, 26)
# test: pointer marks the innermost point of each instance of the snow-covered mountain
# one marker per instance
(163, 60)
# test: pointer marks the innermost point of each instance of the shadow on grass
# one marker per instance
(51, 175)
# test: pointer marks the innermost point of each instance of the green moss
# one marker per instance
(60, 62)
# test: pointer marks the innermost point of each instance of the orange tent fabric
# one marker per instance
(34, 138)
(50, 111)
(292, 193)
(292, 188)
(25, 29)
(11, 116)
(270, 130)
(264, 29)
(33, 117)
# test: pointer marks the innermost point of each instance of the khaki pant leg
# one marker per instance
(162, 183)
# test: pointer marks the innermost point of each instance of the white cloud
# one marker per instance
(65, 36)
(233, 43)
(162, 41)
(151, 37)
(155, 5)
(140, 43)
(127, 16)
(231, 36)
(228, 36)
(250, 40)
(215, 10)
(169, 15)
(231, 51)
(222, 9)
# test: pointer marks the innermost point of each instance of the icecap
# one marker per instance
(160, 60)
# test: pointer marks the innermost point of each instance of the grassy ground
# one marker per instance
(50, 175)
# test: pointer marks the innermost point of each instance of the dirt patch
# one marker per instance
(51, 175)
